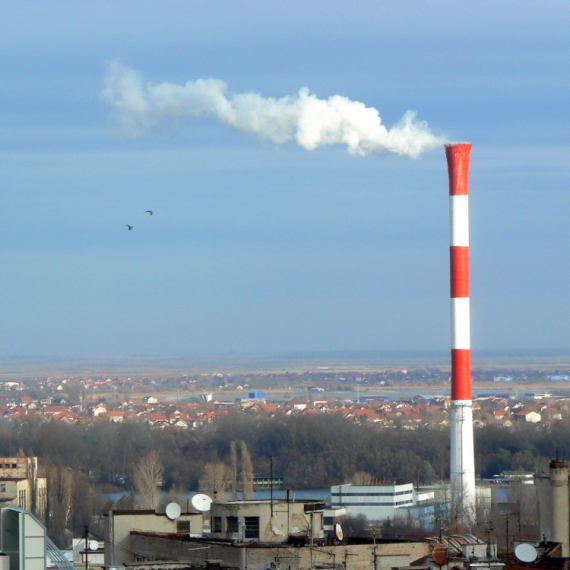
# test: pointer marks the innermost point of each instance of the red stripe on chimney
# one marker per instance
(458, 157)
(459, 258)
(461, 374)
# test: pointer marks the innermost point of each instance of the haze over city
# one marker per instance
(258, 244)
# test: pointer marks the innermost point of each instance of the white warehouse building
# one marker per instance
(378, 502)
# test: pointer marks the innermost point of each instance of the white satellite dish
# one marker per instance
(201, 502)
(173, 511)
(93, 545)
(526, 552)
(339, 535)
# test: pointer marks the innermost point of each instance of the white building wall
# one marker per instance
(375, 502)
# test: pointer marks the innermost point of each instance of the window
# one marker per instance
(217, 524)
(232, 524)
(2, 487)
(42, 497)
(329, 520)
(22, 499)
(182, 526)
(373, 494)
(251, 527)
(14, 466)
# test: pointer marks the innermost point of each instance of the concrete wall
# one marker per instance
(17, 467)
(358, 557)
(289, 519)
(118, 526)
(18, 493)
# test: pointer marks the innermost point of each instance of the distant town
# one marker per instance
(385, 398)
(310, 461)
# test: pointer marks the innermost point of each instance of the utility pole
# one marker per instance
(489, 547)
(507, 525)
(506, 515)
(86, 547)
(271, 481)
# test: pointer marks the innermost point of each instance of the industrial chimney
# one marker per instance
(553, 507)
(462, 471)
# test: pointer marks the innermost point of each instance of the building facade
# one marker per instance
(267, 521)
(120, 527)
(377, 502)
(21, 487)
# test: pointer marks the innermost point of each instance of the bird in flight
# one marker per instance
(149, 212)
(130, 227)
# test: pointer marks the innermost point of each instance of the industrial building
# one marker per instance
(378, 502)
(268, 521)
(20, 485)
(119, 527)
(247, 534)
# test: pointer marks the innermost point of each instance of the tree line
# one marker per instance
(308, 451)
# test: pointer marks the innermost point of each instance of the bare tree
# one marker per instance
(60, 500)
(246, 472)
(454, 515)
(519, 519)
(234, 456)
(217, 480)
(176, 494)
(361, 478)
(32, 472)
(147, 478)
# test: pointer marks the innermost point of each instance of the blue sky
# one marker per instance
(255, 247)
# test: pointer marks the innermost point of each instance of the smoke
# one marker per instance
(140, 108)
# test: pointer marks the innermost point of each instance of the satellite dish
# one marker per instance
(339, 535)
(93, 545)
(173, 511)
(440, 555)
(201, 502)
(526, 552)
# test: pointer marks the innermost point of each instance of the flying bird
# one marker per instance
(130, 227)
(149, 212)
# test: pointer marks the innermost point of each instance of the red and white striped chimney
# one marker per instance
(462, 472)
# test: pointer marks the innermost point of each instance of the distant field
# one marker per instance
(149, 366)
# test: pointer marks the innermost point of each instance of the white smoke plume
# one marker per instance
(141, 108)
